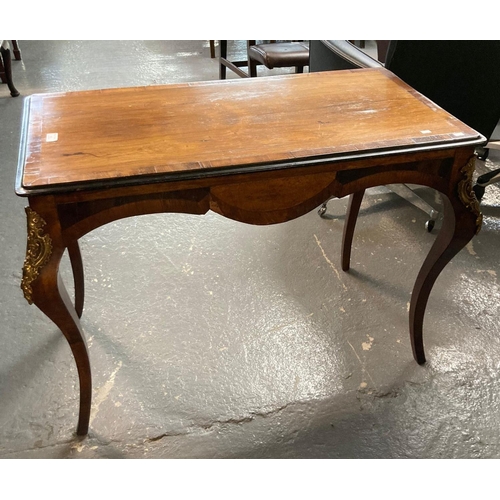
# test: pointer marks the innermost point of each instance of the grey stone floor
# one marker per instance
(214, 339)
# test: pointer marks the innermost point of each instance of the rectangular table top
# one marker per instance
(91, 138)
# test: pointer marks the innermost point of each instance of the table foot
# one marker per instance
(350, 223)
(462, 220)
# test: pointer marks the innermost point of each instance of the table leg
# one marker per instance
(43, 287)
(350, 223)
(75, 258)
(462, 220)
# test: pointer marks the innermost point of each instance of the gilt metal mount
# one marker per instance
(38, 252)
(466, 193)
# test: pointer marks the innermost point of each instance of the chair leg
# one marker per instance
(252, 65)
(5, 55)
(234, 66)
(252, 68)
(16, 50)
(409, 195)
(299, 69)
(212, 48)
(3, 78)
(485, 180)
(223, 55)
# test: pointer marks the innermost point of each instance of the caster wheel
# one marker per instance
(322, 211)
(482, 153)
(429, 225)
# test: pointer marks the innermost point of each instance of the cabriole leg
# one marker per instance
(462, 220)
(75, 258)
(351, 217)
(43, 287)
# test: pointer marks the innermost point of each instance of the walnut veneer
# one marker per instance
(260, 151)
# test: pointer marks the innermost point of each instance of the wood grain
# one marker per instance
(146, 131)
(126, 152)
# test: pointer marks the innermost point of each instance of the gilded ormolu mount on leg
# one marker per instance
(38, 252)
(466, 193)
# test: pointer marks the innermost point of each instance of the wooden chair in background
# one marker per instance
(288, 54)
(5, 64)
(273, 54)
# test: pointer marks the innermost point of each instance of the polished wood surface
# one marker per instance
(260, 151)
(87, 137)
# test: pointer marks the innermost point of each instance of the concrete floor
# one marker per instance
(214, 339)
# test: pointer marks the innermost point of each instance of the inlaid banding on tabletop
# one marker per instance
(150, 131)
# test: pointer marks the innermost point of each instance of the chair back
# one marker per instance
(461, 76)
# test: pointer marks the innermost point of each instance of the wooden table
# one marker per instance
(260, 150)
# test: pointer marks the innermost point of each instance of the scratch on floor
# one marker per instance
(204, 427)
(330, 263)
(363, 368)
(103, 392)
(491, 272)
(470, 248)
